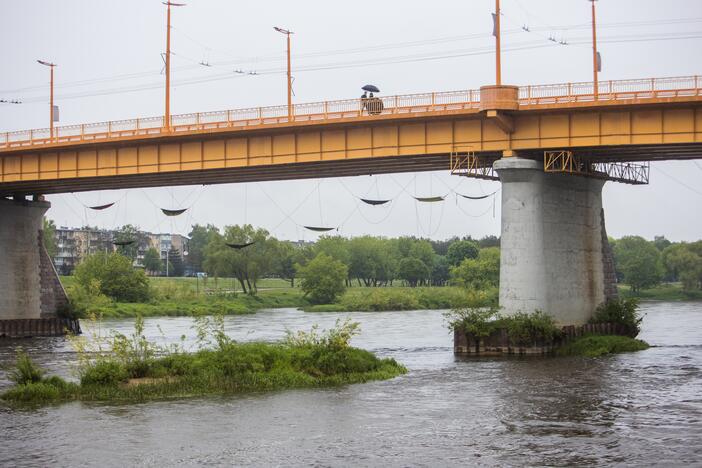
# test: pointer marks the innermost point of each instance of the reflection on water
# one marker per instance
(643, 408)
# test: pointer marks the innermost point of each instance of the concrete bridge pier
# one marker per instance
(554, 251)
(32, 299)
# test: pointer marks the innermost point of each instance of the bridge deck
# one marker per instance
(628, 120)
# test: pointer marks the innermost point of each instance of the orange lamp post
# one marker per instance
(288, 33)
(595, 61)
(51, 99)
(167, 114)
(498, 63)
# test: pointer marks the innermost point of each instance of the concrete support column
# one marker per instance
(553, 245)
(29, 285)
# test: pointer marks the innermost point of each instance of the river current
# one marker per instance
(641, 409)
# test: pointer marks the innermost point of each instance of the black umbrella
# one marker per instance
(371, 88)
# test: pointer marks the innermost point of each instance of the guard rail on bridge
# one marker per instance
(529, 96)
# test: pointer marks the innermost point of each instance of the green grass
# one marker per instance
(233, 368)
(670, 292)
(204, 305)
(600, 345)
(403, 298)
(180, 297)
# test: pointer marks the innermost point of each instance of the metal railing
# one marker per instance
(564, 93)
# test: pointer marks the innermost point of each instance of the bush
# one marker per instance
(112, 275)
(620, 311)
(323, 279)
(32, 392)
(531, 329)
(597, 345)
(478, 273)
(25, 371)
(104, 372)
(476, 321)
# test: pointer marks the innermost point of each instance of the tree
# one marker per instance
(479, 273)
(114, 276)
(176, 266)
(286, 258)
(131, 233)
(441, 272)
(460, 250)
(423, 251)
(661, 242)
(373, 260)
(336, 247)
(152, 260)
(489, 241)
(639, 262)
(684, 264)
(323, 279)
(49, 235)
(412, 270)
(248, 264)
(199, 236)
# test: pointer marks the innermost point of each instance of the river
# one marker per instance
(641, 408)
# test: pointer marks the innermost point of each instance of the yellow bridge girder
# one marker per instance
(360, 144)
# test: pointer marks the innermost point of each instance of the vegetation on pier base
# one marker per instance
(538, 329)
(136, 370)
(600, 345)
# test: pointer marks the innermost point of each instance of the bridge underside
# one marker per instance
(327, 169)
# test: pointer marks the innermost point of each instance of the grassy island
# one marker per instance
(135, 370)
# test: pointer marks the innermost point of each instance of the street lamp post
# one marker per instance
(52, 114)
(167, 115)
(498, 62)
(288, 33)
(595, 61)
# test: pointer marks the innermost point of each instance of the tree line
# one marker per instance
(369, 261)
(643, 264)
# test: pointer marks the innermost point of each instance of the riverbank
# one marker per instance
(405, 298)
(189, 297)
(669, 292)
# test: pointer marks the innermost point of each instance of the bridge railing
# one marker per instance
(562, 93)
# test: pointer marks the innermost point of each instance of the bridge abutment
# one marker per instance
(554, 251)
(31, 295)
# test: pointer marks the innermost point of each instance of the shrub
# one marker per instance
(620, 311)
(25, 371)
(32, 392)
(337, 337)
(477, 321)
(531, 329)
(323, 279)
(114, 276)
(478, 273)
(104, 372)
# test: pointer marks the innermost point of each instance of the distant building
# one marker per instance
(74, 244)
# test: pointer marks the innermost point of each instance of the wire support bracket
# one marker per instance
(567, 162)
(464, 162)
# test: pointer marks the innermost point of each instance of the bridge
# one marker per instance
(552, 147)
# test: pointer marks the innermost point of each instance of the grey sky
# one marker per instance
(95, 42)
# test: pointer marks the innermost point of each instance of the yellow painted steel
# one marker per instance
(612, 124)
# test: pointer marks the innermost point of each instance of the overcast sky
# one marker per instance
(109, 67)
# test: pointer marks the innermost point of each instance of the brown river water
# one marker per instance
(642, 409)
